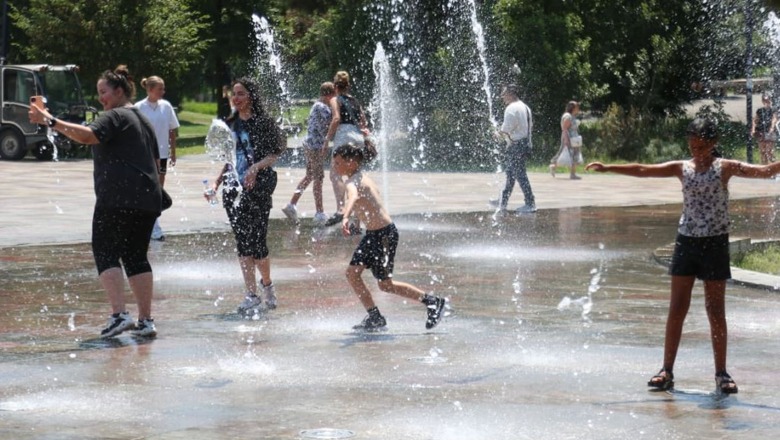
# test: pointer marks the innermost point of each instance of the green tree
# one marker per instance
(550, 44)
(153, 37)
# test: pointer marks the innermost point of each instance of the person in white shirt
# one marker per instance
(516, 129)
(160, 113)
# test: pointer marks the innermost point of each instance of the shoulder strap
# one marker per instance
(528, 120)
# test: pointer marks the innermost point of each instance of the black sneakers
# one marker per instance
(435, 307)
(372, 323)
(144, 328)
(335, 218)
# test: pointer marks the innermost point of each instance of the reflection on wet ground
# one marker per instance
(556, 325)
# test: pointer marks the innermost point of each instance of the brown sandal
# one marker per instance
(664, 380)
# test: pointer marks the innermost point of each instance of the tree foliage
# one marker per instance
(153, 37)
(635, 58)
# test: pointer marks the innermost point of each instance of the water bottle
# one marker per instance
(209, 192)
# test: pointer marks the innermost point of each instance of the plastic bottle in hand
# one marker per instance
(209, 192)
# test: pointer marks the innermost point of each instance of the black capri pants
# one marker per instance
(120, 238)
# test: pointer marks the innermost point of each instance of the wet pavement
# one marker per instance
(556, 320)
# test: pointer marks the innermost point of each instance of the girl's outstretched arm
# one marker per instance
(667, 169)
(733, 168)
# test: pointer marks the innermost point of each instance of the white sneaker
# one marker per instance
(269, 292)
(499, 214)
(320, 218)
(117, 323)
(157, 232)
(250, 302)
(145, 328)
(291, 212)
(526, 209)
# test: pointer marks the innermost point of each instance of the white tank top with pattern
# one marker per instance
(705, 202)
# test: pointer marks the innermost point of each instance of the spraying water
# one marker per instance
(384, 111)
(479, 38)
(267, 61)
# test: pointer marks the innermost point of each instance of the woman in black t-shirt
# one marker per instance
(128, 193)
(259, 142)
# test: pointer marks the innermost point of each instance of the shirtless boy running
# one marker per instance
(376, 250)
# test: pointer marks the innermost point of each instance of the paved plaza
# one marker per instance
(51, 202)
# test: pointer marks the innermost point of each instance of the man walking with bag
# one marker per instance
(517, 128)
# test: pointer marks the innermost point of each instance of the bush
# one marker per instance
(631, 136)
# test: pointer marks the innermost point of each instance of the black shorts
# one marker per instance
(376, 251)
(163, 166)
(707, 258)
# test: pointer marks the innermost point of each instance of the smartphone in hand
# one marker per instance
(38, 101)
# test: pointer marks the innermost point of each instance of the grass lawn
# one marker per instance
(195, 125)
(766, 261)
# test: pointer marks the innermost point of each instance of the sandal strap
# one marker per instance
(664, 379)
(725, 383)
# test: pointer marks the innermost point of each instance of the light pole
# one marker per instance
(749, 76)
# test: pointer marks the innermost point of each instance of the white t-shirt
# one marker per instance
(163, 119)
(517, 121)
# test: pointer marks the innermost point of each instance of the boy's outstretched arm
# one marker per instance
(667, 169)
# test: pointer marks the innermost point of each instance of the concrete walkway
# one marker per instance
(51, 202)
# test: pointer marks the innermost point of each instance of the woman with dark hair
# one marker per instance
(701, 248)
(128, 196)
(346, 125)
(571, 142)
(259, 142)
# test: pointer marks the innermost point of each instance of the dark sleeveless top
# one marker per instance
(349, 109)
(764, 116)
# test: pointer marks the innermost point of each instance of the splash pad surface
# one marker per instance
(512, 359)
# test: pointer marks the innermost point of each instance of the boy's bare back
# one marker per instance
(368, 205)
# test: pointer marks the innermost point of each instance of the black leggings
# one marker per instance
(120, 237)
